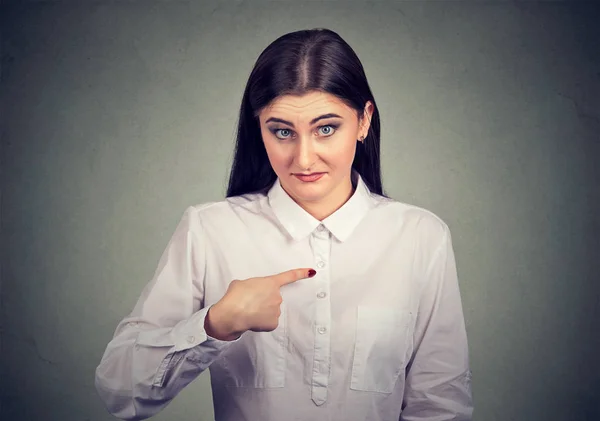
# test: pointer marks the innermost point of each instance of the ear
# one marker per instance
(365, 120)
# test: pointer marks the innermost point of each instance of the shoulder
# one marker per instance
(226, 209)
(416, 219)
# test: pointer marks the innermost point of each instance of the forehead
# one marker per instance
(306, 106)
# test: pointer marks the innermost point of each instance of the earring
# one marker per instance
(361, 139)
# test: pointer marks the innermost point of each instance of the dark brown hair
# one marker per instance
(295, 64)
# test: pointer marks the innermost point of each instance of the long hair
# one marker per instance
(295, 64)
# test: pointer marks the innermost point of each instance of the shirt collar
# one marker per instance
(299, 223)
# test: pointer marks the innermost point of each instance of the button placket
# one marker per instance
(320, 244)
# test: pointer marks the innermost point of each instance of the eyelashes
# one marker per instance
(284, 133)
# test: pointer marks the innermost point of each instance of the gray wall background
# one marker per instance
(118, 115)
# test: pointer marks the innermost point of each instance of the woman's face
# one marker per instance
(315, 133)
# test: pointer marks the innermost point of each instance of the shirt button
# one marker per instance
(322, 330)
(320, 264)
(321, 294)
(190, 339)
(320, 228)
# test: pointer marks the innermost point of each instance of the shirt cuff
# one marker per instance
(190, 333)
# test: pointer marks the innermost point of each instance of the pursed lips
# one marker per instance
(306, 175)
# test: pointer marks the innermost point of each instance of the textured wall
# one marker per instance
(118, 115)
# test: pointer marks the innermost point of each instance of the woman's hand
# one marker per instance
(250, 304)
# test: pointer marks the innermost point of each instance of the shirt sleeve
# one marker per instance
(438, 378)
(161, 346)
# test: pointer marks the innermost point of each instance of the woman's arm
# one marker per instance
(438, 379)
(162, 345)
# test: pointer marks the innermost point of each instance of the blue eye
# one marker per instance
(328, 130)
(285, 133)
(325, 131)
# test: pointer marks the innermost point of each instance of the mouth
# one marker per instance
(309, 178)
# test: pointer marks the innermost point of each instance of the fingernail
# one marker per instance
(312, 273)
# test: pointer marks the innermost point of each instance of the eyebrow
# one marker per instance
(313, 121)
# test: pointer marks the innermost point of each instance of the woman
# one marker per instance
(307, 293)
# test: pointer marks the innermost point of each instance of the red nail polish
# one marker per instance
(312, 273)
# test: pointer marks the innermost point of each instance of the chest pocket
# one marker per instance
(380, 348)
(258, 359)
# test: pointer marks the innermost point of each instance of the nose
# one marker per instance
(305, 154)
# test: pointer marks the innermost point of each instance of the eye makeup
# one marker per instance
(276, 131)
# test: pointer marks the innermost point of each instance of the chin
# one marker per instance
(310, 192)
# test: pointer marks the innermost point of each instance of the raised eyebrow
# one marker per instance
(313, 121)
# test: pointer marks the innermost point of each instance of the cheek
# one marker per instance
(277, 155)
(344, 151)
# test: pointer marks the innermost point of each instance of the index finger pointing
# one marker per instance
(293, 275)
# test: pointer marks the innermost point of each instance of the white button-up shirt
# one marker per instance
(378, 334)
